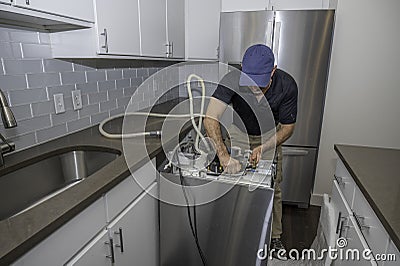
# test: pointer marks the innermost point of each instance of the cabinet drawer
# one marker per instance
(355, 244)
(392, 255)
(346, 182)
(369, 224)
(124, 193)
(57, 248)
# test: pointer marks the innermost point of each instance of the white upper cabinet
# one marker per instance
(117, 24)
(153, 33)
(239, 5)
(176, 28)
(202, 29)
(76, 9)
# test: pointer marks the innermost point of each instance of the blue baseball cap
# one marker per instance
(257, 65)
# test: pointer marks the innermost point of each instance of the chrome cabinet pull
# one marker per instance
(338, 223)
(171, 49)
(111, 256)
(360, 222)
(340, 181)
(105, 46)
(121, 240)
(168, 52)
(27, 2)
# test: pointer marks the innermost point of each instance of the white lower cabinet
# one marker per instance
(130, 239)
(121, 226)
(350, 241)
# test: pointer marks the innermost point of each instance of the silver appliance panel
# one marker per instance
(301, 41)
(298, 167)
(230, 229)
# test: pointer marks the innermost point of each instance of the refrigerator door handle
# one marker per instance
(275, 45)
(294, 152)
(269, 33)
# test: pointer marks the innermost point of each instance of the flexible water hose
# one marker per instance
(191, 115)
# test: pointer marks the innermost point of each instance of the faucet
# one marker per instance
(9, 122)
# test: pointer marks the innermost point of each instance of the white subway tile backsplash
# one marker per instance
(21, 111)
(123, 101)
(78, 124)
(106, 85)
(53, 65)
(117, 111)
(12, 82)
(27, 96)
(129, 91)
(114, 74)
(24, 141)
(30, 77)
(4, 35)
(123, 83)
(24, 66)
(135, 82)
(72, 77)
(43, 79)
(42, 108)
(44, 38)
(89, 110)
(109, 105)
(33, 50)
(114, 94)
(93, 76)
(51, 133)
(87, 87)
(97, 118)
(129, 73)
(24, 36)
(5, 50)
(97, 97)
(64, 89)
(65, 117)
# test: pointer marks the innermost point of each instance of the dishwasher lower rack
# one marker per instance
(230, 229)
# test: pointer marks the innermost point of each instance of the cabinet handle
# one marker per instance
(27, 2)
(121, 240)
(105, 46)
(168, 52)
(171, 54)
(360, 224)
(340, 181)
(112, 256)
(338, 223)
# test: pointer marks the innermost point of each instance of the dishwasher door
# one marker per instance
(298, 170)
(231, 229)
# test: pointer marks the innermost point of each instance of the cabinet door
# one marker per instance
(355, 246)
(135, 232)
(153, 33)
(341, 210)
(79, 9)
(118, 27)
(97, 252)
(202, 29)
(176, 28)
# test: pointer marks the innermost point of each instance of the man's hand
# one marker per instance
(256, 155)
(230, 165)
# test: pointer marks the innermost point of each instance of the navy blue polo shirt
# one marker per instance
(280, 98)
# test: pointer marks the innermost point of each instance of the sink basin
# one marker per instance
(25, 187)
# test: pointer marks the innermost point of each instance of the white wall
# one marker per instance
(362, 103)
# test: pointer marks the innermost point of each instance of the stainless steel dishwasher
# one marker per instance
(231, 220)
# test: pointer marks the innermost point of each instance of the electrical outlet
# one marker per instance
(59, 103)
(77, 99)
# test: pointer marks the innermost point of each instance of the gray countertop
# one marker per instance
(376, 171)
(23, 231)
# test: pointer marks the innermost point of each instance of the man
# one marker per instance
(267, 86)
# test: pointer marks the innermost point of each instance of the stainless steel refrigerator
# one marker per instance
(301, 41)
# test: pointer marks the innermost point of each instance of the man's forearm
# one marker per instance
(213, 130)
(282, 134)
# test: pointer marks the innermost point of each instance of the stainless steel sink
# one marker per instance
(25, 187)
